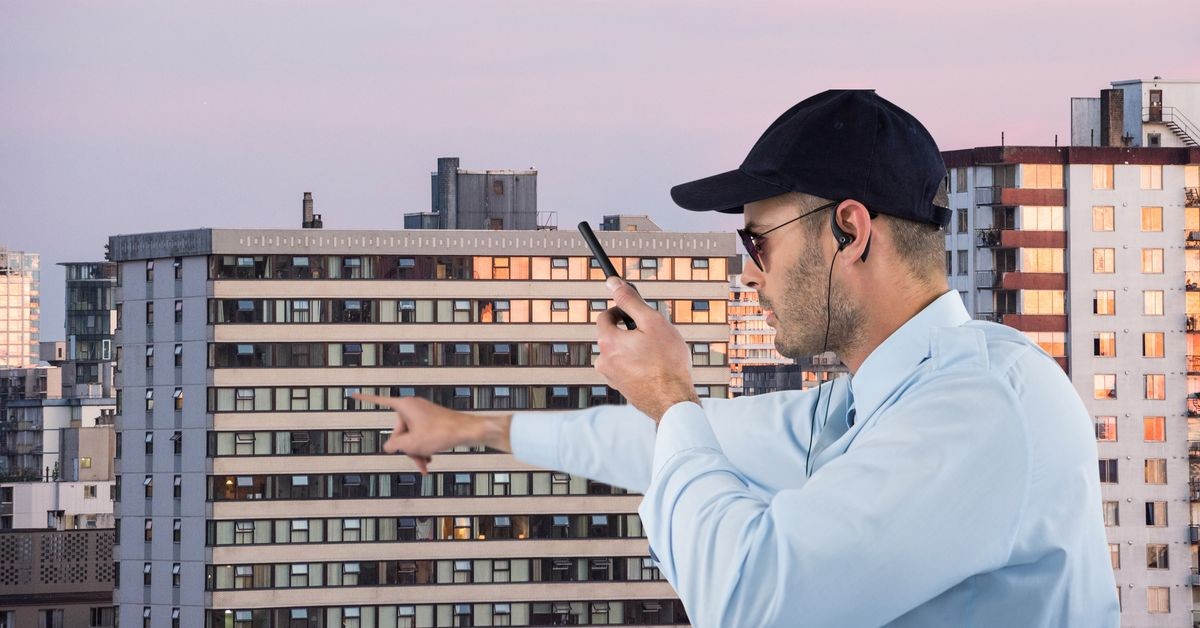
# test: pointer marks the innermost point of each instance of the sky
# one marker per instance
(135, 117)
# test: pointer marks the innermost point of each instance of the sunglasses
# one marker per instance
(753, 241)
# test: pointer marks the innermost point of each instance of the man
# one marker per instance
(949, 481)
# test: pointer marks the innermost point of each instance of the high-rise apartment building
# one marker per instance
(20, 308)
(1094, 253)
(254, 488)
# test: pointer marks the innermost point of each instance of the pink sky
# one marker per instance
(142, 117)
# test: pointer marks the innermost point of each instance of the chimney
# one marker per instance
(310, 220)
(1112, 117)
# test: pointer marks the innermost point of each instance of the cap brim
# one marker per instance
(726, 192)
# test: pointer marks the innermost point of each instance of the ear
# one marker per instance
(851, 224)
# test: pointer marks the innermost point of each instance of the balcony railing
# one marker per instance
(1193, 364)
(1194, 490)
(988, 195)
(987, 238)
(1194, 447)
(1191, 197)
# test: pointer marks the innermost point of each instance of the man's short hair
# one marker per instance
(921, 245)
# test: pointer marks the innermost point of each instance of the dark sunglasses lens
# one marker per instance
(751, 249)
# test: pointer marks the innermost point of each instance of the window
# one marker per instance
(178, 396)
(1108, 470)
(1156, 386)
(1041, 218)
(1114, 555)
(1152, 344)
(178, 356)
(1158, 599)
(1041, 260)
(1156, 471)
(1152, 260)
(1104, 344)
(149, 356)
(1103, 260)
(146, 578)
(178, 311)
(1105, 303)
(1152, 301)
(176, 531)
(148, 484)
(86, 462)
(178, 487)
(1156, 514)
(963, 259)
(1043, 302)
(89, 491)
(1102, 177)
(1112, 513)
(1041, 176)
(1151, 177)
(1154, 429)
(177, 442)
(962, 220)
(1105, 386)
(1156, 556)
(149, 442)
(1102, 218)
(175, 575)
(1106, 428)
(1152, 219)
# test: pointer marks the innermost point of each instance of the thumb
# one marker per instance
(628, 299)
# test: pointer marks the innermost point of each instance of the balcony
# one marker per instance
(1194, 448)
(1017, 238)
(1194, 490)
(996, 195)
(1193, 534)
(1194, 578)
(1193, 407)
(1191, 197)
(1191, 280)
(1193, 364)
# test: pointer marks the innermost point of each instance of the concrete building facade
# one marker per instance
(1094, 252)
(20, 308)
(254, 490)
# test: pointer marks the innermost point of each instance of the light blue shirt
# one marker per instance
(955, 484)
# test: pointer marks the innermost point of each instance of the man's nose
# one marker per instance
(751, 276)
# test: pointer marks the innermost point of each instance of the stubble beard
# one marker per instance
(801, 313)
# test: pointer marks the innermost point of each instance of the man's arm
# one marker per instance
(615, 444)
(926, 497)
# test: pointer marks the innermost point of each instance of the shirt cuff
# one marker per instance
(534, 438)
(683, 426)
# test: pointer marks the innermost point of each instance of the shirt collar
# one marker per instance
(895, 358)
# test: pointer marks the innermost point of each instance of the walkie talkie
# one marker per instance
(606, 265)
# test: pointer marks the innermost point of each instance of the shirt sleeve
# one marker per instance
(928, 495)
(611, 444)
(614, 444)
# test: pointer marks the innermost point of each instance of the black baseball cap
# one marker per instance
(839, 144)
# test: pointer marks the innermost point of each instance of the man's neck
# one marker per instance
(881, 323)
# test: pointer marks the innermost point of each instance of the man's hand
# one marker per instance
(424, 428)
(650, 365)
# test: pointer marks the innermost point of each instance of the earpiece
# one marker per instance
(843, 238)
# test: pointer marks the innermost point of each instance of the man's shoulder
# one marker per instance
(994, 353)
(980, 344)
